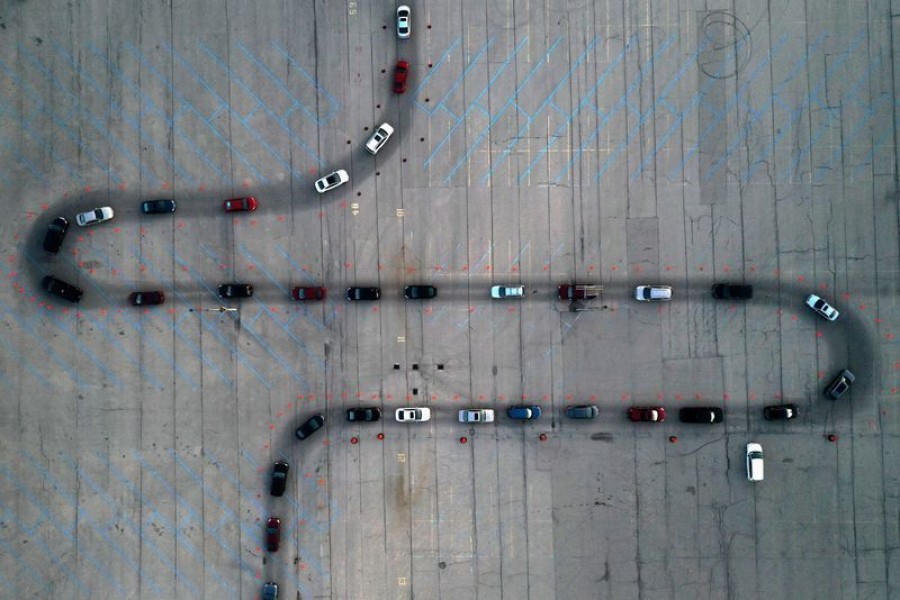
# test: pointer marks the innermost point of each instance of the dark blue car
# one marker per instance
(523, 413)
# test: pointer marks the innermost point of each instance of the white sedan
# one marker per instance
(653, 293)
(822, 308)
(476, 415)
(413, 415)
(382, 133)
(331, 181)
(403, 18)
(92, 217)
(499, 292)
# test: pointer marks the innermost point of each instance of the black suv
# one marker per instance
(701, 414)
(369, 414)
(235, 290)
(732, 291)
(369, 294)
(780, 412)
(60, 288)
(56, 233)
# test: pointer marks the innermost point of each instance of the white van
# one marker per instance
(754, 462)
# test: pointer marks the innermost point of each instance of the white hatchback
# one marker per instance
(331, 181)
(413, 415)
(92, 217)
(382, 133)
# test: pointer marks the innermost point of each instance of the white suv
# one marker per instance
(755, 459)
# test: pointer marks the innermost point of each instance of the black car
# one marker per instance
(156, 207)
(780, 412)
(56, 233)
(312, 425)
(60, 288)
(279, 478)
(840, 385)
(732, 291)
(419, 292)
(146, 298)
(364, 414)
(701, 414)
(363, 293)
(235, 290)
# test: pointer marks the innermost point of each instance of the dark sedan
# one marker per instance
(701, 414)
(56, 233)
(146, 298)
(363, 293)
(312, 425)
(368, 414)
(158, 207)
(235, 290)
(780, 412)
(279, 478)
(419, 292)
(653, 414)
(273, 534)
(840, 385)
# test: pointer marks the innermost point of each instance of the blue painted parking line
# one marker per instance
(84, 515)
(261, 104)
(67, 532)
(9, 580)
(475, 102)
(518, 258)
(285, 364)
(885, 140)
(510, 102)
(439, 66)
(540, 109)
(101, 126)
(35, 571)
(114, 108)
(757, 115)
(155, 516)
(130, 524)
(13, 350)
(37, 339)
(148, 103)
(334, 104)
(695, 101)
(21, 157)
(196, 518)
(605, 118)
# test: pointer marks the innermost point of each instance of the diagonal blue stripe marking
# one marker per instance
(586, 98)
(472, 105)
(530, 118)
(517, 260)
(100, 126)
(745, 130)
(438, 66)
(20, 157)
(734, 100)
(261, 104)
(67, 533)
(334, 103)
(114, 105)
(17, 352)
(36, 571)
(38, 340)
(16, 554)
(85, 516)
(636, 174)
(502, 111)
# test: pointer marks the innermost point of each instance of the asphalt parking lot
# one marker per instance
(535, 145)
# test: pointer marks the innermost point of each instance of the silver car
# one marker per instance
(382, 133)
(93, 217)
(476, 415)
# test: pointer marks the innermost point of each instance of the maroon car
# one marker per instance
(273, 534)
(654, 414)
(401, 72)
(241, 204)
(146, 298)
(308, 293)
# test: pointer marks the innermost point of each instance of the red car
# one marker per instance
(241, 204)
(401, 72)
(308, 293)
(273, 534)
(653, 414)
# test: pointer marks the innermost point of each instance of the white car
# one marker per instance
(508, 291)
(476, 415)
(403, 25)
(653, 293)
(822, 308)
(413, 415)
(755, 465)
(331, 181)
(92, 217)
(382, 133)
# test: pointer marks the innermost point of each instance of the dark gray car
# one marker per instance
(584, 411)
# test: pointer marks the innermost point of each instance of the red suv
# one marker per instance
(401, 72)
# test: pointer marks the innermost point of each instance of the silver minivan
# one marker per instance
(755, 462)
